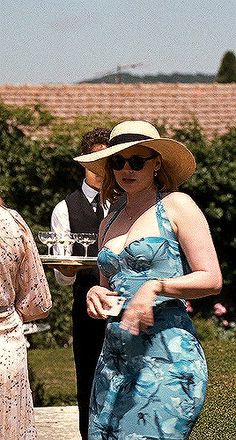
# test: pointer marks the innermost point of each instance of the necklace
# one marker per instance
(137, 208)
(130, 217)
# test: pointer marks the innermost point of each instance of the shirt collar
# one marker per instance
(89, 192)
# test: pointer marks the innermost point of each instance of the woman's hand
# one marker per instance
(98, 302)
(139, 314)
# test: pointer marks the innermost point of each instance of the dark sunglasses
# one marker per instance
(136, 163)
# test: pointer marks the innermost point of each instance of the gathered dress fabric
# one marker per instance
(24, 296)
(150, 386)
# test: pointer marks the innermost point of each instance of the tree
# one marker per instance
(37, 171)
(227, 70)
(213, 187)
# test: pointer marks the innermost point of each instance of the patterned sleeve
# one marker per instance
(33, 299)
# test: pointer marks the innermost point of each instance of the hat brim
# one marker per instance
(178, 161)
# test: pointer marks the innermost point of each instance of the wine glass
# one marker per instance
(49, 238)
(66, 239)
(86, 239)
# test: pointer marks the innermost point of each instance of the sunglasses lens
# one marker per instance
(117, 162)
(136, 163)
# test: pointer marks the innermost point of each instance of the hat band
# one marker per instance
(128, 137)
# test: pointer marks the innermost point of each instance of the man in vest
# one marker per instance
(81, 212)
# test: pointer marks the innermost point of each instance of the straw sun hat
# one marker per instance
(177, 160)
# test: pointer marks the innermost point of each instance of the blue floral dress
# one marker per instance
(150, 386)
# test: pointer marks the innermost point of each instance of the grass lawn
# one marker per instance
(218, 418)
(55, 368)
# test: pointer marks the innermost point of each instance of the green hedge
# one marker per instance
(37, 171)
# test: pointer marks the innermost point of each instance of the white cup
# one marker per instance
(116, 304)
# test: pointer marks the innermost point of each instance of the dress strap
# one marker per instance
(112, 219)
(163, 221)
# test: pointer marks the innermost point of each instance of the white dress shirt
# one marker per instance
(60, 223)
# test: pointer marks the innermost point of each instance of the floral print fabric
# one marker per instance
(150, 386)
(24, 295)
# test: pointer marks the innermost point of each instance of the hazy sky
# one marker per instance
(65, 41)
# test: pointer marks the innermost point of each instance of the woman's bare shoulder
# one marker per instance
(180, 206)
(178, 198)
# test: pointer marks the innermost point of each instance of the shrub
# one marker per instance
(37, 171)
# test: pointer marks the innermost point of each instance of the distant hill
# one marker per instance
(128, 78)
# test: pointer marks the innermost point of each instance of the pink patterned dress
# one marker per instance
(24, 296)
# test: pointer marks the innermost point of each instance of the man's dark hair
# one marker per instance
(96, 136)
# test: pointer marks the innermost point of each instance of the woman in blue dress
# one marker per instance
(156, 251)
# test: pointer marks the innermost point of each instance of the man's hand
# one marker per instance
(70, 270)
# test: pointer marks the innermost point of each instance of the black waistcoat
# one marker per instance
(83, 219)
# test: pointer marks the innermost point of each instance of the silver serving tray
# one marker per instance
(60, 260)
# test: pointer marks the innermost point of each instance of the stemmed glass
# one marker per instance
(86, 239)
(49, 238)
(66, 239)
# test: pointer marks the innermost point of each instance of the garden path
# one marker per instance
(57, 423)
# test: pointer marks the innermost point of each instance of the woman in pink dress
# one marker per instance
(24, 296)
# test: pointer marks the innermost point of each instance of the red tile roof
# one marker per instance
(213, 105)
